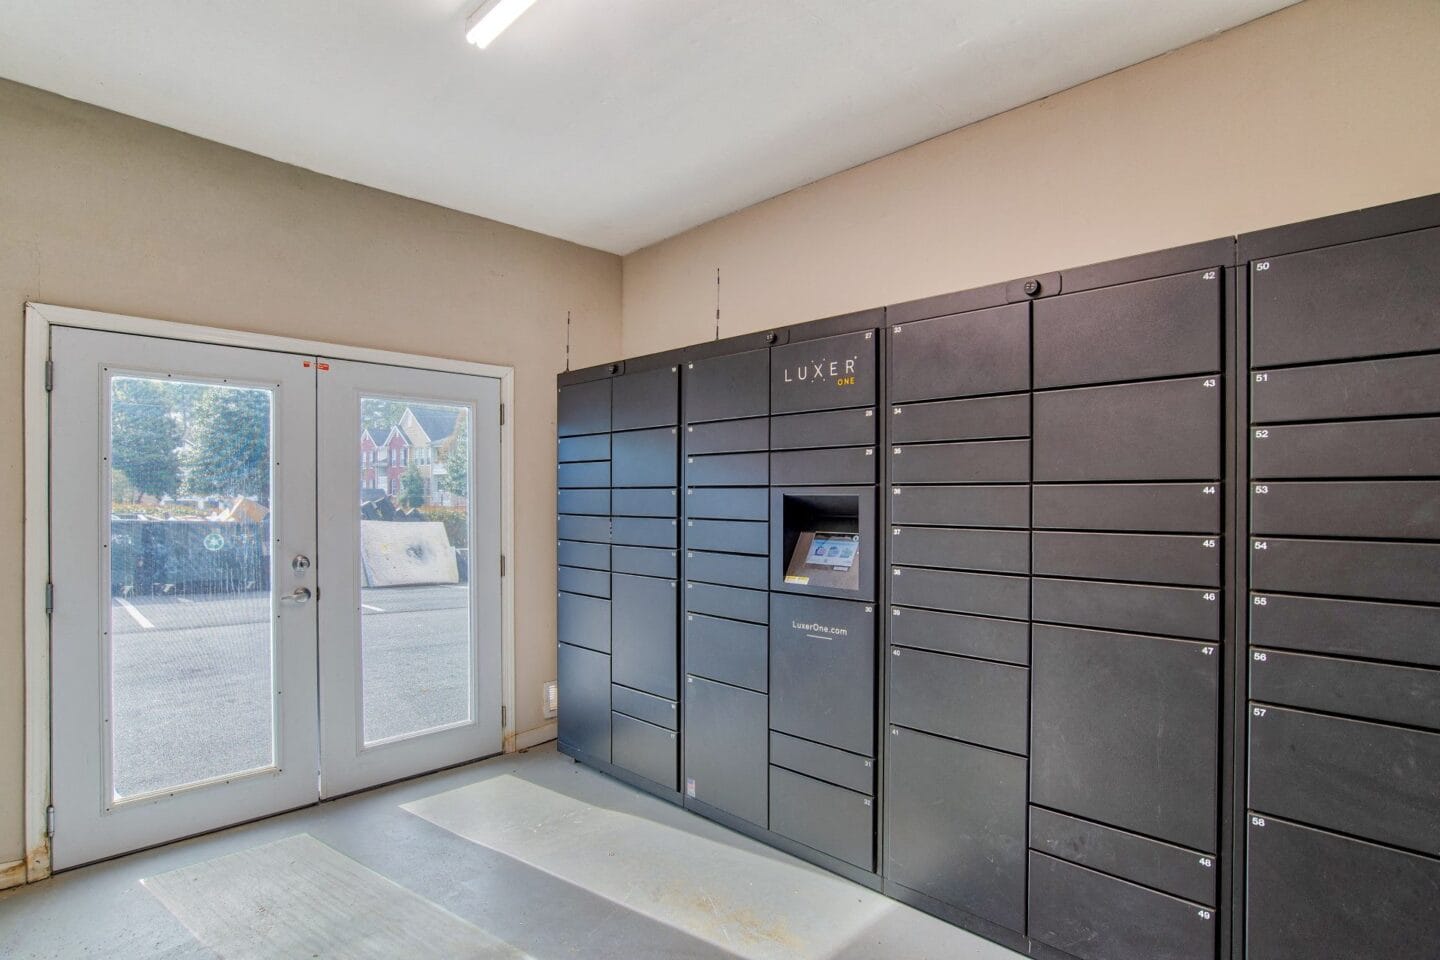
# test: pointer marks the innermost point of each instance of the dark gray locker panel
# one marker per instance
(1138, 557)
(1312, 894)
(986, 351)
(822, 467)
(722, 504)
(1095, 917)
(1161, 430)
(583, 408)
(596, 446)
(822, 671)
(974, 419)
(980, 506)
(976, 701)
(1124, 730)
(645, 749)
(1355, 300)
(731, 603)
(955, 825)
(645, 648)
(644, 532)
(728, 470)
(1356, 688)
(647, 561)
(730, 569)
(571, 553)
(594, 502)
(832, 428)
(728, 388)
(1172, 611)
(645, 706)
(1356, 448)
(727, 650)
(986, 594)
(645, 503)
(823, 374)
(827, 818)
(584, 684)
(962, 634)
(649, 399)
(645, 458)
(1164, 866)
(1347, 568)
(733, 536)
(1376, 509)
(984, 461)
(584, 622)
(594, 473)
(593, 583)
(727, 436)
(1343, 391)
(592, 529)
(998, 551)
(1150, 507)
(725, 749)
(1168, 327)
(816, 760)
(1379, 631)
(1365, 779)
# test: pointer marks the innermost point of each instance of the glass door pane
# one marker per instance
(413, 513)
(191, 638)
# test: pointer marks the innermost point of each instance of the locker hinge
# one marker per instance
(49, 598)
(49, 375)
(502, 715)
(50, 821)
(502, 414)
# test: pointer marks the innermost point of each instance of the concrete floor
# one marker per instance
(532, 855)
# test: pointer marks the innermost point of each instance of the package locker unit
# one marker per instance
(1027, 710)
(1343, 429)
(781, 444)
(619, 568)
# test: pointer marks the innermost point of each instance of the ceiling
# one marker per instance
(613, 123)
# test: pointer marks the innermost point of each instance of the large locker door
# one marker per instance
(726, 753)
(955, 825)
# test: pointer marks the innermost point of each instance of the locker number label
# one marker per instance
(1258, 711)
(1260, 655)
(1257, 821)
(1261, 601)
(1261, 434)
(1209, 382)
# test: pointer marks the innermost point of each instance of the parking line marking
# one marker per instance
(135, 615)
(369, 606)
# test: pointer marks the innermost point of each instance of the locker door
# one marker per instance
(1124, 730)
(644, 642)
(583, 408)
(648, 399)
(725, 749)
(822, 671)
(955, 825)
(985, 351)
(728, 388)
(584, 682)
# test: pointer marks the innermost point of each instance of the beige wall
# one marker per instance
(106, 212)
(1320, 108)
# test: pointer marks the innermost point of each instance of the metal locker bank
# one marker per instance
(1097, 612)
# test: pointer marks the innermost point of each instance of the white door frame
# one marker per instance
(39, 318)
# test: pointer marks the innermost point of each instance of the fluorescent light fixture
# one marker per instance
(492, 18)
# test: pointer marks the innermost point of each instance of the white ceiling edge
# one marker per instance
(633, 121)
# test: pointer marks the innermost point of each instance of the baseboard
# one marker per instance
(12, 874)
(534, 737)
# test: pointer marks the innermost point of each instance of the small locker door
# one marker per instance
(584, 685)
(643, 641)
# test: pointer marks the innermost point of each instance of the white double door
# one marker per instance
(276, 579)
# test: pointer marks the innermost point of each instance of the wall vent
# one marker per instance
(550, 696)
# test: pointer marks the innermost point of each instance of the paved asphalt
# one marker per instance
(193, 688)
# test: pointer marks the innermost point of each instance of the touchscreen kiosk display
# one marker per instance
(825, 558)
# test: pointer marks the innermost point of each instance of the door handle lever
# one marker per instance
(298, 595)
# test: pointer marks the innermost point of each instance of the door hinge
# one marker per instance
(49, 375)
(502, 564)
(502, 414)
(49, 598)
(502, 715)
(50, 821)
